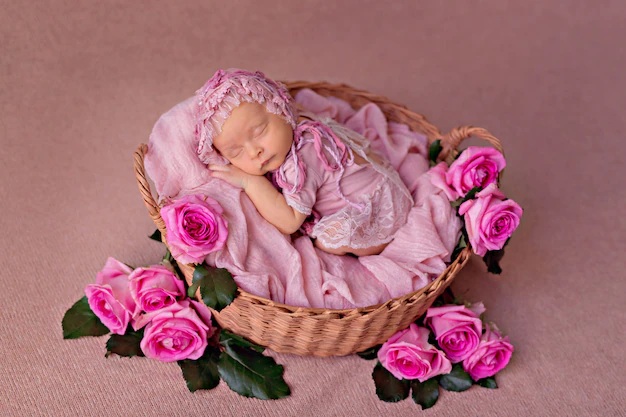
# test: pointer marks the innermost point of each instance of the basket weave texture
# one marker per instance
(328, 332)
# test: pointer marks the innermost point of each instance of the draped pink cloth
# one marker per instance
(267, 263)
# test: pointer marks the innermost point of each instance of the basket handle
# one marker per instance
(144, 188)
(451, 141)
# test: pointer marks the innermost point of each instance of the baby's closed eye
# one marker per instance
(259, 130)
(233, 153)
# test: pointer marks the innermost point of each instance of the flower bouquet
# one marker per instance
(152, 312)
(471, 185)
(450, 347)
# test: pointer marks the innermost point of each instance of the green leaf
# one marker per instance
(457, 380)
(217, 286)
(470, 194)
(251, 374)
(389, 388)
(492, 259)
(489, 382)
(201, 373)
(156, 236)
(199, 273)
(434, 150)
(126, 344)
(371, 353)
(80, 321)
(425, 393)
(432, 339)
(459, 247)
(228, 339)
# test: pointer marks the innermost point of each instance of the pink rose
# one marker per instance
(195, 227)
(457, 329)
(475, 167)
(179, 331)
(438, 179)
(109, 298)
(491, 356)
(407, 354)
(154, 288)
(489, 219)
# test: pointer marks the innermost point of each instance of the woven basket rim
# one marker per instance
(364, 309)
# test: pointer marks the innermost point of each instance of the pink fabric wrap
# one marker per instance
(267, 263)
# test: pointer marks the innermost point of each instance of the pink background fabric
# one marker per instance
(81, 85)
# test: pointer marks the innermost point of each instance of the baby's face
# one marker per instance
(254, 140)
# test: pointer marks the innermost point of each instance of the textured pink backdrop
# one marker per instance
(82, 83)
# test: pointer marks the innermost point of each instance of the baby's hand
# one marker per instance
(231, 174)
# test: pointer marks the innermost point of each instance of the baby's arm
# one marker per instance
(272, 205)
(268, 201)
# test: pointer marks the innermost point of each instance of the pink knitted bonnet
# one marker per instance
(223, 93)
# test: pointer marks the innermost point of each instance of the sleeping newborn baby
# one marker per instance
(294, 167)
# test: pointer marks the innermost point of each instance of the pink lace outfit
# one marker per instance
(358, 205)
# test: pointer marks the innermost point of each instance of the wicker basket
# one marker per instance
(326, 332)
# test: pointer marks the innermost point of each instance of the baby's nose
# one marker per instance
(254, 151)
